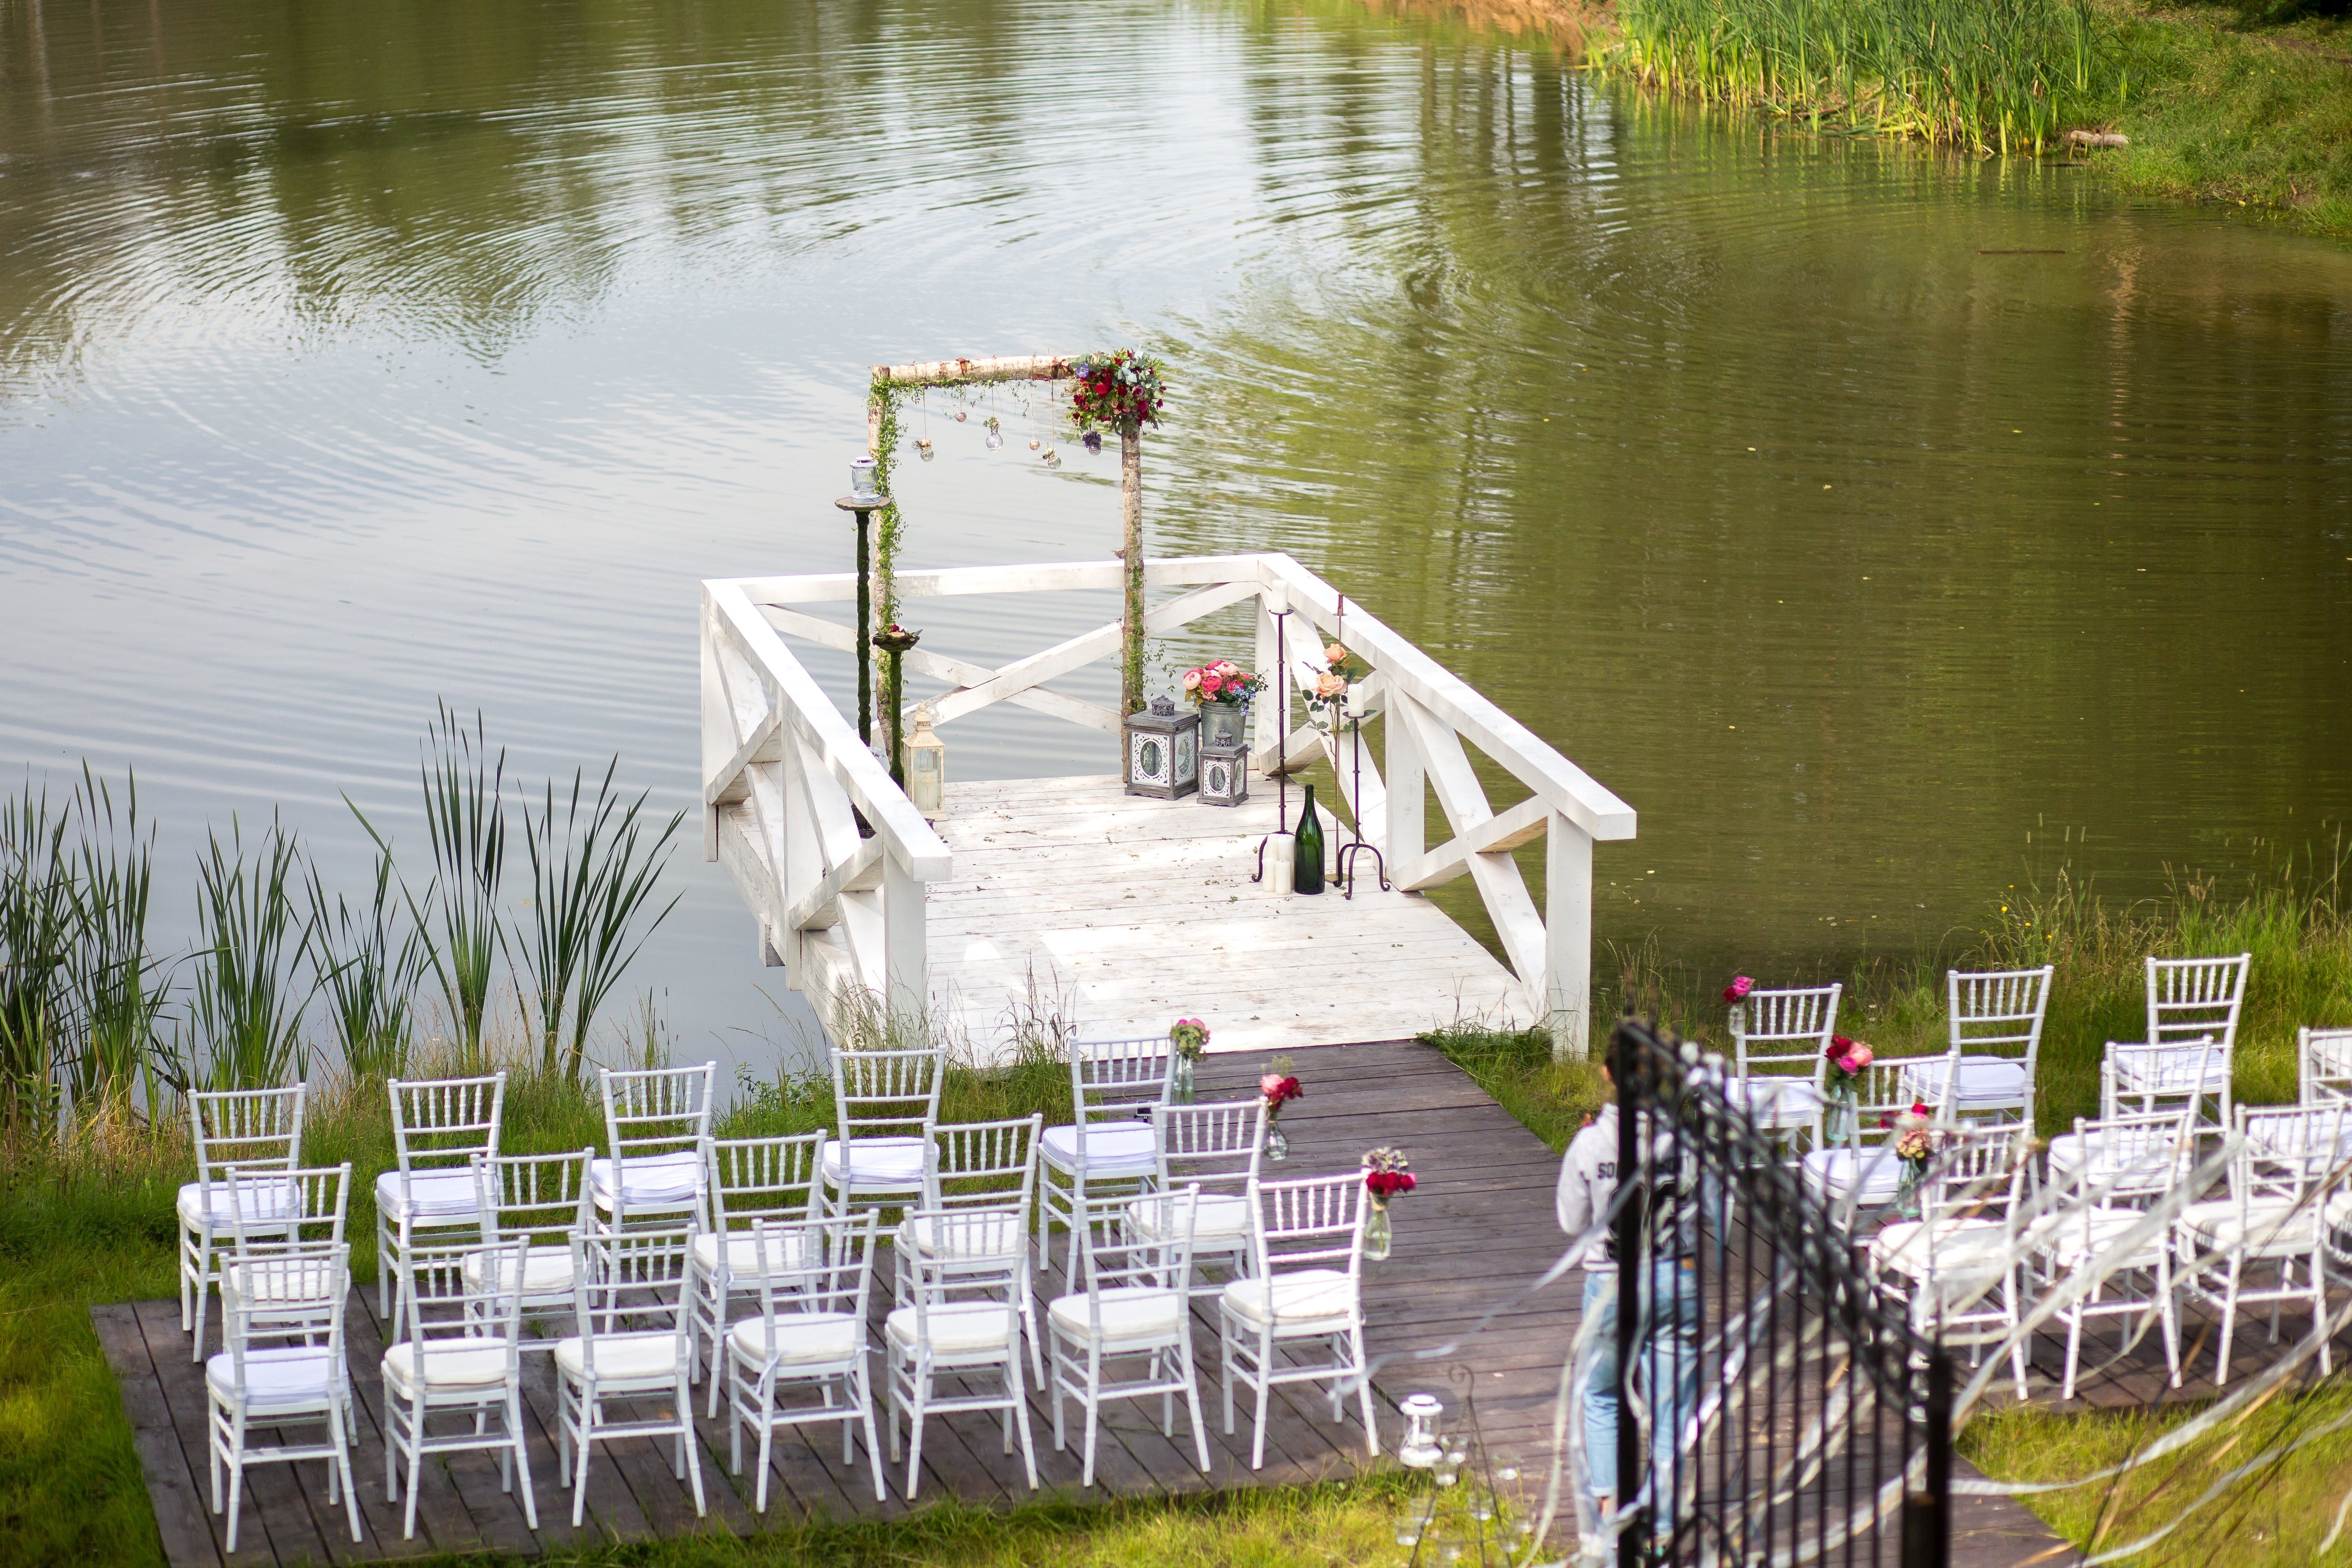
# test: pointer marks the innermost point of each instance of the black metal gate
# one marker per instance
(1773, 1407)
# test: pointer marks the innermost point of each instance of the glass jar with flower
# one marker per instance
(1279, 1087)
(1736, 994)
(1847, 1061)
(1916, 1142)
(1190, 1037)
(1387, 1175)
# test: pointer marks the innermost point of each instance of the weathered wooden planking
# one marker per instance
(1128, 906)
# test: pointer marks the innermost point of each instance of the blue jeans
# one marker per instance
(1601, 1387)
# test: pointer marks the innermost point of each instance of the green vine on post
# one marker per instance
(1123, 392)
(882, 421)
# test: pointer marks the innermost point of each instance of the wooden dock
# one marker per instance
(1132, 912)
(1469, 1245)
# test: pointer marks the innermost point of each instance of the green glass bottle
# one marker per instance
(1307, 865)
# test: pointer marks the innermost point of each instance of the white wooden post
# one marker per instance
(803, 851)
(1402, 845)
(718, 728)
(1568, 937)
(907, 986)
(1273, 703)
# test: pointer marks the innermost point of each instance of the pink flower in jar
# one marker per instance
(1740, 986)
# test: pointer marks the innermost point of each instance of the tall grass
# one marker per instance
(118, 984)
(1994, 75)
(246, 1006)
(465, 822)
(369, 963)
(36, 915)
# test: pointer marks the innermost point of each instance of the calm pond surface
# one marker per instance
(1887, 529)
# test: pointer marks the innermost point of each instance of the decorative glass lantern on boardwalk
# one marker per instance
(1164, 752)
(1225, 774)
(927, 765)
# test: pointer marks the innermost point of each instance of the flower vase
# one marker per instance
(1180, 1084)
(1840, 1129)
(1222, 723)
(1278, 1141)
(1907, 1190)
(1378, 1235)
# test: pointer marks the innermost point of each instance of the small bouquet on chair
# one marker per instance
(1387, 1175)
(1280, 1086)
(1190, 1038)
(1846, 1059)
(1917, 1141)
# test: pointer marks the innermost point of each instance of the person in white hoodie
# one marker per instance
(1588, 1180)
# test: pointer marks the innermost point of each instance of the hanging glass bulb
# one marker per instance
(923, 445)
(1034, 443)
(1053, 460)
(1093, 439)
(961, 416)
(995, 433)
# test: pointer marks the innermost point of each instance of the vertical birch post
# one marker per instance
(1130, 510)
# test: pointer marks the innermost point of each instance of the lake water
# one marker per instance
(1887, 527)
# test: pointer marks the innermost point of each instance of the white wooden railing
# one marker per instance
(785, 777)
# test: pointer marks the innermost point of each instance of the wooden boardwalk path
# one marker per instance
(1478, 1232)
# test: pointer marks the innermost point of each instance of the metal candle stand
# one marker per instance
(1281, 749)
(1347, 852)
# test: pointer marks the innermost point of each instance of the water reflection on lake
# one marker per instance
(1884, 527)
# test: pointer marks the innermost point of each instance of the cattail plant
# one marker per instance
(245, 1007)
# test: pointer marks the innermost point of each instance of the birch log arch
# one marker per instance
(891, 382)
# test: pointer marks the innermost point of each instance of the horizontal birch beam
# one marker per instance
(997, 367)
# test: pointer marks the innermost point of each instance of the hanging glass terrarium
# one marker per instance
(923, 445)
(995, 433)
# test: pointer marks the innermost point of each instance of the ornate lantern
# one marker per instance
(1421, 1449)
(1225, 774)
(927, 765)
(1163, 751)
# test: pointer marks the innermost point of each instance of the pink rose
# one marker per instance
(1192, 680)
(1335, 654)
(1269, 1083)
(1740, 986)
(1211, 685)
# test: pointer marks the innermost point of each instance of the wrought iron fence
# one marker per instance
(1773, 1408)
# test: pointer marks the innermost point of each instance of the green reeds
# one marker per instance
(246, 1006)
(465, 817)
(36, 917)
(118, 986)
(369, 961)
(1988, 75)
(594, 874)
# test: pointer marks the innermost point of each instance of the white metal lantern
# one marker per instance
(1164, 752)
(927, 765)
(1421, 1449)
(1225, 774)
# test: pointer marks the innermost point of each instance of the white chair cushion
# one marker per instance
(1913, 1248)
(1836, 1173)
(2272, 1226)
(546, 1272)
(1303, 1296)
(803, 1339)
(432, 1196)
(745, 1257)
(264, 1200)
(985, 1233)
(1129, 1312)
(2075, 1238)
(649, 1357)
(959, 1328)
(1219, 1217)
(877, 1164)
(1781, 1101)
(292, 1377)
(456, 1366)
(650, 1181)
(1114, 1148)
(2067, 1151)
(2175, 1070)
(1986, 1083)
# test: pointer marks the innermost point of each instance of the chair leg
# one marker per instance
(415, 1468)
(1021, 1420)
(915, 1445)
(587, 1436)
(1192, 1408)
(2229, 1321)
(383, 1267)
(690, 1448)
(522, 1457)
(1364, 1392)
(204, 1290)
(351, 1485)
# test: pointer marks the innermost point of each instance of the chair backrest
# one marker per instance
(2323, 1063)
(1976, 1174)
(443, 1122)
(2131, 1157)
(297, 1208)
(1784, 1032)
(1110, 1080)
(540, 1200)
(973, 1254)
(815, 1265)
(1998, 1012)
(1214, 1147)
(657, 1111)
(637, 1281)
(1882, 1096)
(983, 1165)
(760, 1178)
(2189, 999)
(1310, 1222)
(259, 1129)
(285, 1299)
(465, 1295)
(887, 1093)
(2288, 1151)
(1124, 1256)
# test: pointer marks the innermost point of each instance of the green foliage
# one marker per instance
(1995, 75)
(369, 963)
(117, 987)
(245, 1010)
(465, 816)
(887, 398)
(1551, 1098)
(36, 914)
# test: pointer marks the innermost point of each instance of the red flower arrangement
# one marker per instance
(1740, 986)
(1120, 391)
(1224, 681)
(1279, 1089)
(1386, 1175)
